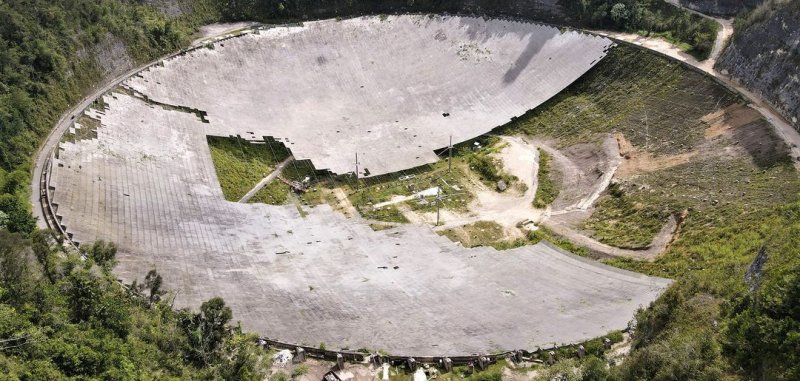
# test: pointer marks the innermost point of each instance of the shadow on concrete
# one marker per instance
(535, 44)
(476, 31)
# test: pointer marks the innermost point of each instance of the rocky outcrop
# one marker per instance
(170, 8)
(723, 8)
(764, 56)
(111, 56)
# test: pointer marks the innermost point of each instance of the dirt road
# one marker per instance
(266, 180)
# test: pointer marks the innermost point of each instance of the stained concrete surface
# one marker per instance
(392, 89)
(148, 183)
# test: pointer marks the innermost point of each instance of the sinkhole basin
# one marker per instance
(390, 89)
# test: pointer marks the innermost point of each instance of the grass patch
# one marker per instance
(454, 190)
(718, 188)
(543, 234)
(722, 196)
(387, 214)
(318, 194)
(88, 128)
(488, 168)
(274, 193)
(711, 300)
(546, 191)
(299, 370)
(241, 165)
(481, 233)
(299, 170)
(625, 222)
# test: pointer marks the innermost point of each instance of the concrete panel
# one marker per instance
(379, 87)
(147, 182)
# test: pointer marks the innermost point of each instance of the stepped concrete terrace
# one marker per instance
(147, 182)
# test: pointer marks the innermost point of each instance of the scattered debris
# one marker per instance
(283, 357)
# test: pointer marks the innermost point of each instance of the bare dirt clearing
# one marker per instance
(518, 158)
(637, 161)
(728, 119)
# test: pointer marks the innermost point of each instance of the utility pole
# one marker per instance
(440, 197)
(356, 170)
(450, 155)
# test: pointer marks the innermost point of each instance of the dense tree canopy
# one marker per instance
(63, 317)
(650, 17)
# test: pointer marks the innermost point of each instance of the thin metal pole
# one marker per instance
(450, 155)
(356, 170)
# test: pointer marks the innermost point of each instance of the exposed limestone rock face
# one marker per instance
(724, 8)
(765, 57)
(111, 56)
(171, 8)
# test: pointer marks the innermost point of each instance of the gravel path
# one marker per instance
(266, 180)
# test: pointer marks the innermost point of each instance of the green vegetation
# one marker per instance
(299, 170)
(696, 34)
(241, 165)
(721, 188)
(759, 14)
(274, 193)
(386, 214)
(279, 376)
(487, 233)
(730, 325)
(543, 234)
(63, 318)
(299, 370)
(656, 103)
(50, 59)
(709, 324)
(88, 128)
(66, 318)
(546, 191)
(481, 233)
(493, 373)
(620, 221)
(483, 163)
(453, 187)
(736, 209)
